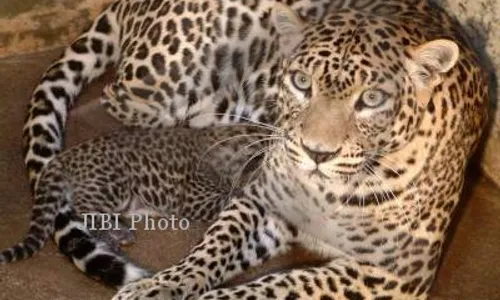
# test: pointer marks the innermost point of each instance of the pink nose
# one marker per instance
(320, 156)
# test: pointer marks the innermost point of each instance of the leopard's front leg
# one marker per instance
(244, 235)
(340, 278)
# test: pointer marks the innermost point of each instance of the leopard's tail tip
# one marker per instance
(20, 251)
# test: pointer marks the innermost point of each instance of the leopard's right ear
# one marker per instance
(288, 25)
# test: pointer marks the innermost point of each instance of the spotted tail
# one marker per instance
(53, 215)
(80, 63)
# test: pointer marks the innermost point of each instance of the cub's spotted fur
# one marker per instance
(163, 172)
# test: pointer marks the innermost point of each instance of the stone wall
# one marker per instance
(35, 25)
(481, 20)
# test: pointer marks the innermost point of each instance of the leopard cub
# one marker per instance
(156, 172)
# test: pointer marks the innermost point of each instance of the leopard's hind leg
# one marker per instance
(95, 232)
(134, 111)
(116, 234)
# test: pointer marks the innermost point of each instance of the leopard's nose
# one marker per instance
(320, 156)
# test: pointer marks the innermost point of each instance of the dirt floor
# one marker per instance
(470, 268)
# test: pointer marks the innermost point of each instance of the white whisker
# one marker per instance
(253, 122)
(371, 172)
(242, 168)
(264, 163)
(270, 138)
(401, 204)
(216, 144)
(412, 184)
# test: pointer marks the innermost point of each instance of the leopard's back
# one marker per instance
(174, 59)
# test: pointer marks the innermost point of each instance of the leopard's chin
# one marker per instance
(316, 173)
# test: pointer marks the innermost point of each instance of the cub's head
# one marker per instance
(354, 86)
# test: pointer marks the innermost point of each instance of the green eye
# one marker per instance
(372, 98)
(301, 81)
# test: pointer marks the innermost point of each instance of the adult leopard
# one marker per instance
(173, 60)
(380, 104)
(178, 62)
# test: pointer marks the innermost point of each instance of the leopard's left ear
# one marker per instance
(288, 25)
(429, 61)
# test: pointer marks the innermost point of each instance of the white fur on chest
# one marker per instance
(307, 208)
(332, 228)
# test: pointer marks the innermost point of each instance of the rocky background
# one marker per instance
(36, 25)
(481, 21)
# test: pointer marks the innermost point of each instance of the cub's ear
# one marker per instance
(430, 60)
(288, 25)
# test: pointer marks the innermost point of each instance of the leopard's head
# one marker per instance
(354, 86)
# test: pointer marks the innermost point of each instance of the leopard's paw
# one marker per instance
(165, 285)
(141, 289)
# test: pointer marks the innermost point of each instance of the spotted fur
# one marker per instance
(163, 172)
(378, 106)
(176, 60)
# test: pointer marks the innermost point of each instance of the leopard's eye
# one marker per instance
(301, 81)
(371, 98)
